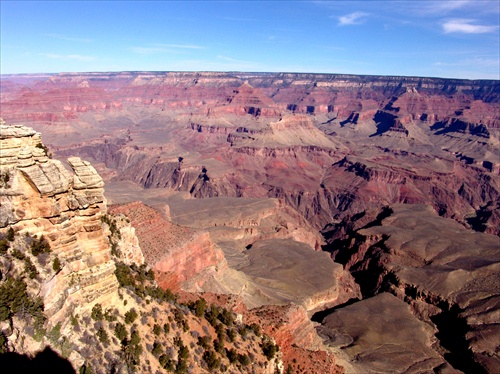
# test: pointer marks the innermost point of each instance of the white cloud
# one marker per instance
(68, 57)
(465, 26)
(354, 18)
(441, 6)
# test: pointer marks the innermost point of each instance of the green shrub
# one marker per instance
(211, 314)
(157, 349)
(4, 246)
(4, 179)
(10, 234)
(231, 333)
(56, 265)
(269, 349)
(243, 359)
(210, 357)
(109, 316)
(199, 307)
(30, 268)
(103, 336)
(132, 353)
(3, 343)
(219, 345)
(232, 355)
(203, 341)
(16, 253)
(243, 330)
(97, 312)
(255, 328)
(166, 362)
(85, 369)
(156, 329)
(135, 338)
(121, 332)
(14, 298)
(130, 316)
(226, 317)
(166, 328)
(124, 275)
(74, 320)
(55, 333)
(39, 246)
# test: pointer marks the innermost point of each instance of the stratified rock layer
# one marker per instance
(41, 197)
(329, 146)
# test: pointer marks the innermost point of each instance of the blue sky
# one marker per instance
(444, 38)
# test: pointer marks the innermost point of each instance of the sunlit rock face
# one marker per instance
(329, 146)
(42, 197)
(246, 169)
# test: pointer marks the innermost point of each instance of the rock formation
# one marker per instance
(263, 266)
(175, 253)
(381, 334)
(400, 175)
(447, 275)
(75, 289)
(41, 197)
(234, 135)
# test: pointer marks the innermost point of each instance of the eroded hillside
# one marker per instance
(74, 285)
(245, 187)
(329, 146)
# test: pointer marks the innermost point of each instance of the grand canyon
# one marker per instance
(253, 222)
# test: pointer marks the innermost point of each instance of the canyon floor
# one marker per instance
(355, 218)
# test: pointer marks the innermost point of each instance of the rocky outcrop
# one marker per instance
(447, 275)
(294, 332)
(174, 252)
(40, 197)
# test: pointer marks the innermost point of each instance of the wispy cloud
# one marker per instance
(68, 38)
(468, 68)
(181, 46)
(165, 48)
(354, 18)
(230, 59)
(479, 61)
(68, 57)
(147, 50)
(440, 6)
(466, 26)
(237, 19)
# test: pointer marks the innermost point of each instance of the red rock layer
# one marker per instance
(175, 253)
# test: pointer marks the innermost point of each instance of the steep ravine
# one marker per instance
(428, 263)
(323, 187)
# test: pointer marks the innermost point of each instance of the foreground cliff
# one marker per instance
(39, 198)
(75, 293)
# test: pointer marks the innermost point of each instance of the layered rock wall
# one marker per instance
(40, 197)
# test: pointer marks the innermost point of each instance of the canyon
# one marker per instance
(357, 201)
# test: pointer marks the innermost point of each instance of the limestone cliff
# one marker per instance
(39, 196)
(73, 281)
